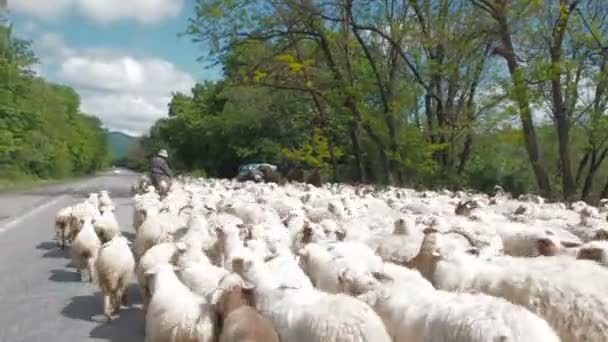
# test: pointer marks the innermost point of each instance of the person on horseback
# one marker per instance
(160, 170)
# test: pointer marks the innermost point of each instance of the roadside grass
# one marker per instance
(29, 183)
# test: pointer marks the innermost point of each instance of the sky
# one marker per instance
(123, 57)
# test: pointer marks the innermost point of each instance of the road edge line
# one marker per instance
(12, 223)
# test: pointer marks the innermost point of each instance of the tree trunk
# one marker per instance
(604, 193)
(523, 102)
(560, 112)
(594, 166)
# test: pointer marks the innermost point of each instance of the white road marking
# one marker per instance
(14, 222)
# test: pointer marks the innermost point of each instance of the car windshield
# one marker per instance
(247, 167)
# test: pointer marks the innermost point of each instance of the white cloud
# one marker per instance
(101, 11)
(126, 92)
(143, 11)
(41, 9)
(52, 48)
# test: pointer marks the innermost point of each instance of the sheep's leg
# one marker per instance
(118, 300)
(124, 300)
(82, 269)
(90, 268)
(115, 296)
(107, 306)
(62, 239)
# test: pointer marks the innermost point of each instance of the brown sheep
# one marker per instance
(239, 321)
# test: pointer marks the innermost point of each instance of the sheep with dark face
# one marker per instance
(239, 321)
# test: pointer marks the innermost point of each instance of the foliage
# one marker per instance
(42, 133)
(413, 93)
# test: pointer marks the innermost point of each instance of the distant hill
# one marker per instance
(119, 144)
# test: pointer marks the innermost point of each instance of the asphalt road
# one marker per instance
(41, 296)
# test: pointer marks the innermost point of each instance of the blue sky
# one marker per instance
(122, 56)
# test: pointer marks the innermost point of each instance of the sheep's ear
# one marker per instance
(238, 264)
(591, 253)
(429, 230)
(343, 276)
(181, 246)
(215, 296)
(381, 276)
(473, 251)
(247, 286)
(436, 254)
(270, 257)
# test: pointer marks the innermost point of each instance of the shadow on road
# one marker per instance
(130, 236)
(53, 250)
(84, 307)
(129, 326)
(64, 276)
(47, 245)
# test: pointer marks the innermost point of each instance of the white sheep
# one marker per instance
(62, 225)
(157, 228)
(306, 314)
(415, 314)
(240, 322)
(157, 255)
(106, 226)
(549, 287)
(114, 267)
(175, 314)
(84, 251)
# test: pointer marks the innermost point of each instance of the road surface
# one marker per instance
(41, 297)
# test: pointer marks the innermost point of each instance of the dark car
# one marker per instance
(257, 172)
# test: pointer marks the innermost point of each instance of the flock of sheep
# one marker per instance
(221, 260)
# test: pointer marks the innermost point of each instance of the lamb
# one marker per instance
(546, 286)
(114, 267)
(84, 251)
(175, 314)
(62, 225)
(414, 314)
(240, 322)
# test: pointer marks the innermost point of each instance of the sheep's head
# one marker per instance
(595, 254)
(231, 293)
(340, 234)
(547, 246)
(245, 231)
(306, 198)
(465, 208)
(600, 234)
(242, 265)
(357, 283)
(498, 190)
(400, 227)
(439, 246)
